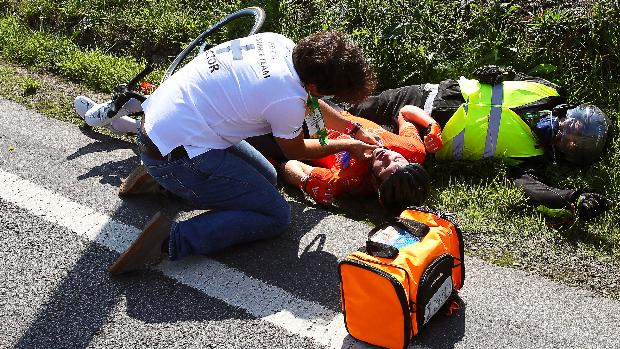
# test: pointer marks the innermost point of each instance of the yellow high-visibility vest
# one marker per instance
(485, 125)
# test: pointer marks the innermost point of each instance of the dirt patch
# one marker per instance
(54, 86)
(48, 94)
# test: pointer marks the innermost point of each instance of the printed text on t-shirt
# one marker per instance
(212, 62)
(262, 60)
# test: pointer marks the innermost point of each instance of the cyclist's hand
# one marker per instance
(590, 205)
(432, 141)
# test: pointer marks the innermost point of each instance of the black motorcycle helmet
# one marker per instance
(407, 186)
(582, 134)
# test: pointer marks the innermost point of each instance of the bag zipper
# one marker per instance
(459, 235)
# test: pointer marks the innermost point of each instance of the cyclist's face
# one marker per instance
(385, 162)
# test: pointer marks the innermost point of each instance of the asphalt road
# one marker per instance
(62, 224)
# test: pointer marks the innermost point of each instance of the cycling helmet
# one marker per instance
(582, 134)
(407, 186)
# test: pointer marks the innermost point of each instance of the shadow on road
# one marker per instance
(86, 298)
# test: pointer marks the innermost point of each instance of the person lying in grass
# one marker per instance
(502, 114)
(508, 115)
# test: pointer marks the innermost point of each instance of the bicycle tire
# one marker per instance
(259, 18)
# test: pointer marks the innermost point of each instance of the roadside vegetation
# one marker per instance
(97, 44)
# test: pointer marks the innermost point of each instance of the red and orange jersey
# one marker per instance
(340, 173)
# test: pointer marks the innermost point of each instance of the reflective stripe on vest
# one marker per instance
(497, 95)
(486, 126)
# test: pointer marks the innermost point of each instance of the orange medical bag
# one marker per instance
(410, 268)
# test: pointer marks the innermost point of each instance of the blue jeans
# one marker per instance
(236, 185)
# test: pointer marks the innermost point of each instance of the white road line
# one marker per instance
(270, 303)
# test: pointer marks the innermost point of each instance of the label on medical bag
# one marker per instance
(394, 236)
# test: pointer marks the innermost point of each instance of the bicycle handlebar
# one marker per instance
(141, 75)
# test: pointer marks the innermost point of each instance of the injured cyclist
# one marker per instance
(394, 171)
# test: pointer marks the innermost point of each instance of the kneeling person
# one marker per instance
(192, 138)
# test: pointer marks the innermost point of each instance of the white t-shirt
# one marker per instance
(239, 89)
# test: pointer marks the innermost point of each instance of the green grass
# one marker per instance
(430, 41)
(100, 43)
(33, 93)
(60, 55)
(48, 94)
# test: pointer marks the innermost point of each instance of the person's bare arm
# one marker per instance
(299, 148)
(334, 121)
(416, 115)
(432, 140)
(318, 185)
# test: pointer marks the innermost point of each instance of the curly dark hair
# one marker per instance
(335, 65)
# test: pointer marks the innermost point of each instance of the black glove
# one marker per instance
(492, 74)
(590, 205)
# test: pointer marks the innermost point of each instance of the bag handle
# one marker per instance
(377, 249)
(411, 226)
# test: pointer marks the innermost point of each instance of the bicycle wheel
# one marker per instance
(201, 41)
